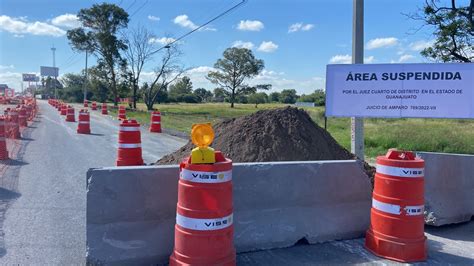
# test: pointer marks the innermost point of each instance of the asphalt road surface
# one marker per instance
(43, 191)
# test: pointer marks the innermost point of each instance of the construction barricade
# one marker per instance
(155, 123)
(129, 144)
(397, 223)
(83, 126)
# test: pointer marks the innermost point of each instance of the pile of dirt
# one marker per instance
(287, 134)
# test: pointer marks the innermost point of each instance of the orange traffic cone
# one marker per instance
(104, 109)
(83, 127)
(3, 142)
(94, 106)
(396, 229)
(122, 113)
(129, 146)
(155, 125)
(204, 230)
(70, 117)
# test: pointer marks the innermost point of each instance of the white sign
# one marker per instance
(49, 71)
(400, 90)
(10, 93)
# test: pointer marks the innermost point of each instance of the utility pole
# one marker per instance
(85, 82)
(53, 49)
(357, 123)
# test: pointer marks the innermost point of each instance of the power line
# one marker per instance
(146, 2)
(201, 26)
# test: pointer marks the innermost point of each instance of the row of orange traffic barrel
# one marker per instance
(13, 121)
(129, 150)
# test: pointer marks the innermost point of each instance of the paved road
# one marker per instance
(43, 194)
(447, 245)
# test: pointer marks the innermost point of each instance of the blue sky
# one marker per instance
(296, 39)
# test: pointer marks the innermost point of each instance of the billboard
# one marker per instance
(400, 90)
(49, 71)
(29, 77)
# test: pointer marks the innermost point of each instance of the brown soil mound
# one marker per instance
(287, 134)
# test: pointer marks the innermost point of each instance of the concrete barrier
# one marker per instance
(131, 210)
(449, 188)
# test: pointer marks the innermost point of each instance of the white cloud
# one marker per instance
(267, 47)
(405, 57)
(250, 25)
(162, 40)
(185, 22)
(2, 67)
(420, 45)
(201, 69)
(153, 18)
(300, 27)
(381, 42)
(67, 21)
(12, 79)
(242, 44)
(20, 26)
(347, 59)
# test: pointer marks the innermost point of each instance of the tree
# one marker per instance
(275, 96)
(219, 95)
(236, 65)
(180, 88)
(453, 29)
(98, 35)
(73, 84)
(257, 98)
(139, 51)
(288, 96)
(318, 97)
(203, 94)
(166, 73)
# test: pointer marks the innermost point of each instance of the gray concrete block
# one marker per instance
(449, 188)
(131, 210)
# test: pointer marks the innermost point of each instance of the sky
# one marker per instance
(296, 39)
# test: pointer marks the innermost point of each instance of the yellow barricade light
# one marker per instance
(202, 136)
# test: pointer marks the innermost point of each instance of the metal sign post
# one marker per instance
(357, 123)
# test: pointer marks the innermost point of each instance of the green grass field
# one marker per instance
(439, 135)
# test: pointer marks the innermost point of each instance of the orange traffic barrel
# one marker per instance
(204, 230)
(64, 109)
(14, 126)
(22, 118)
(129, 144)
(121, 113)
(70, 117)
(94, 106)
(155, 125)
(29, 112)
(104, 109)
(86, 103)
(3, 141)
(83, 126)
(396, 229)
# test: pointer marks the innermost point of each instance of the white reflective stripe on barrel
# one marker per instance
(385, 207)
(156, 122)
(400, 171)
(156, 115)
(84, 122)
(122, 128)
(130, 145)
(205, 177)
(204, 224)
(396, 209)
